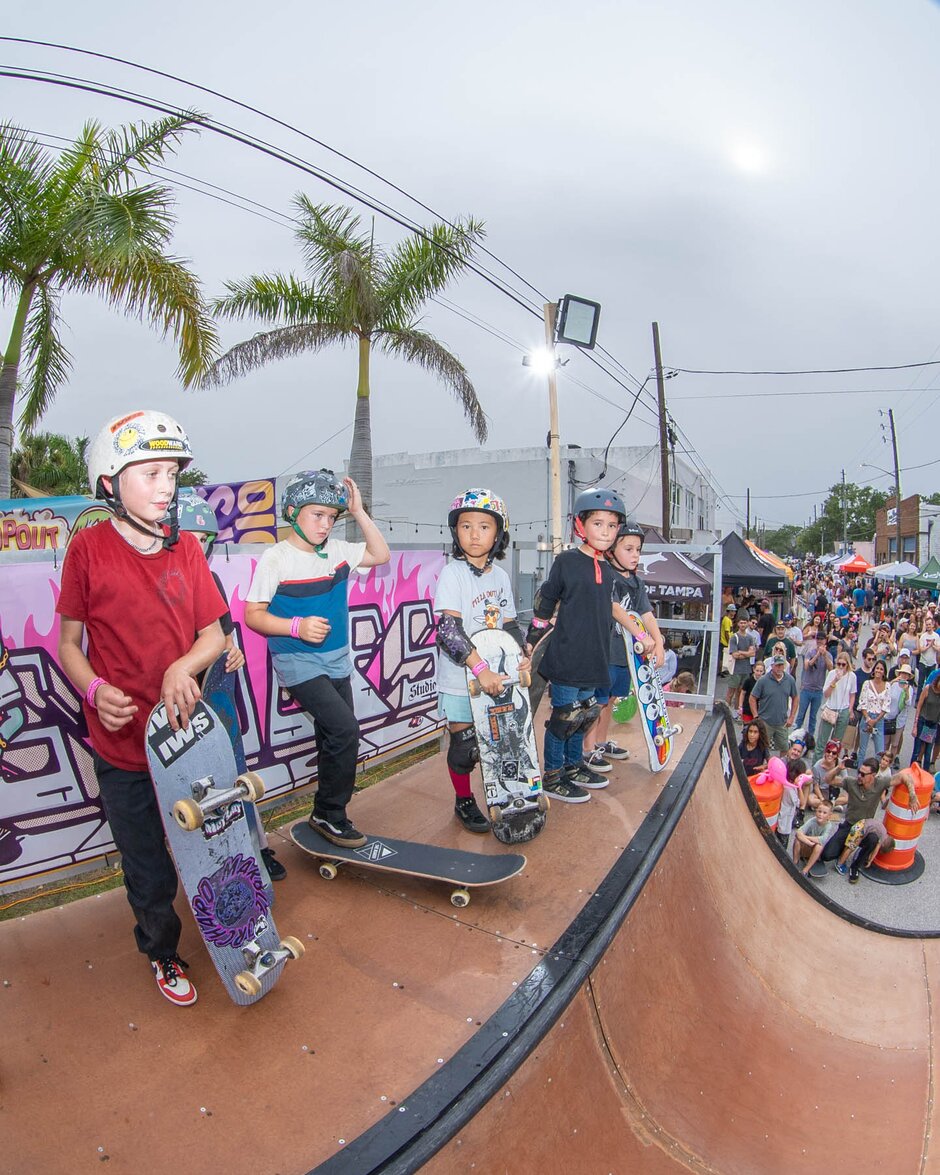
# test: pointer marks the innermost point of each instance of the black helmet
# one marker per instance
(633, 528)
(599, 499)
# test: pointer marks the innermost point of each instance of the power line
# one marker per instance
(813, 370)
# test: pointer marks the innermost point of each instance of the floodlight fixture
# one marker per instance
(576, 322)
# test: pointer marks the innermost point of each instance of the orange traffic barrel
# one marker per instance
(768, 794)
(906, 826)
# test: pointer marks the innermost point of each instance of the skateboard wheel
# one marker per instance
(188, 815)
(638, 648)
(495, 814)
(677, 729)
(460, 898)
(294, 947)
(544, 802)
(328, 870)
(253, 784)
(658, 740)
(247, 983)
(474, 687)
(525, 678)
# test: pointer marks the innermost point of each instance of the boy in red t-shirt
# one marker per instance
(139, 603)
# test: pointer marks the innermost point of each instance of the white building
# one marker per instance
(414, 491)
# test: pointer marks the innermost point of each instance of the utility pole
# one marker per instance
(897, 481)
(554, 453)
(845, 529)
(748, 513)
(663, 437)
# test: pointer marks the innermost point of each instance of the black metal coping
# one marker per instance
(408, 1136)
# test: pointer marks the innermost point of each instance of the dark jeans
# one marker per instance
(149, 874)
(329, 702)
(836, 842)
(860, 857)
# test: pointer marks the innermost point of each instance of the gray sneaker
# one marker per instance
(584, 777)
(595, 761)
(559, 787)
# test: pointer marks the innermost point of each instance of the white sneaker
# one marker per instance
(172, 982)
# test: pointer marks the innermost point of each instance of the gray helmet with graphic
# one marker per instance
(599, 499)
(313, 487)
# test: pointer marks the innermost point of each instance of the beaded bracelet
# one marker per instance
(92, 690)
(477, 669)
(295, 627)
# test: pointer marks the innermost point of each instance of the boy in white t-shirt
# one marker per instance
(298, 599)
(471, 594)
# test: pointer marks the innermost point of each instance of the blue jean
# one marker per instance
(922, 752)
(570, 751)
(863, 736)
(810, 701)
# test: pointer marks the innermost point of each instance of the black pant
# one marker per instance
(836, 842)
(329, 702)
(130, 805)
(860, 857)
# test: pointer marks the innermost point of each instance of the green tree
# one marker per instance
(191, 476)
(782, 541)
(354, 291)
(52, 463)
(861, 505)
(80, 222)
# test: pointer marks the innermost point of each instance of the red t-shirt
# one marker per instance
(141, 613)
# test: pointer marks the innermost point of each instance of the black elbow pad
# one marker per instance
(452, 640)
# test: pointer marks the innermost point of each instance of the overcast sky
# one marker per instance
(760, 178)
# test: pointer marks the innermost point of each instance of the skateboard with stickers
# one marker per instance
(460, 870)
(202, 798)
(512, 780)
(658, 729)
(218, 691)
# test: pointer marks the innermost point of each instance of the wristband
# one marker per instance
(537, 623)
(92, 690)
(477, 669)
(295, 627)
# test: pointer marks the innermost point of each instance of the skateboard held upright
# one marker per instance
(201, 798)
(512, 780)
(658, 731)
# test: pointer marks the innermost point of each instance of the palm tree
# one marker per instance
(81, 223)
(52, 463)
(358, 292)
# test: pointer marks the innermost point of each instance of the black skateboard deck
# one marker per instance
(461, 870)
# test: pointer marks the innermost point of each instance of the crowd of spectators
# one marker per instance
(825, 694)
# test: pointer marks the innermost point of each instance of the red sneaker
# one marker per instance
(172, 982)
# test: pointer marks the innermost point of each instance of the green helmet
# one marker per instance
(196, 515)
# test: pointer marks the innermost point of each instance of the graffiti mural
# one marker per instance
(50, 811)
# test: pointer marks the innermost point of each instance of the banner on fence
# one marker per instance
(50, 811)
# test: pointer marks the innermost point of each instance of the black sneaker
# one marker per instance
(337, 832)
(469, 815)
(584, 776)
(595, 761)
(853, 877)
(559, 787)
(613, 751)
(276, 870)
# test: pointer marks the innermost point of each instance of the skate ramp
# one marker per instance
(706, 1012)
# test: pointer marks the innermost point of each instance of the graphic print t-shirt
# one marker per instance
(301, 583)
(482, 601)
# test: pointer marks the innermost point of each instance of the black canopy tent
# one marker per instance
(740, 567)
(674, 577)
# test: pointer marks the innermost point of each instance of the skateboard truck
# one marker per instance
(524, 680)
(207, 798)
(259, 962)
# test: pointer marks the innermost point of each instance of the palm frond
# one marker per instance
(422, 265)
(274, 297)
(47, 361)
(282, 343)
(162, 291)
(421, 348)
(140, 145)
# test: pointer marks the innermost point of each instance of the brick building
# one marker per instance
(920, 531)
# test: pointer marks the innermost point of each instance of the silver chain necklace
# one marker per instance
(142, 550)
